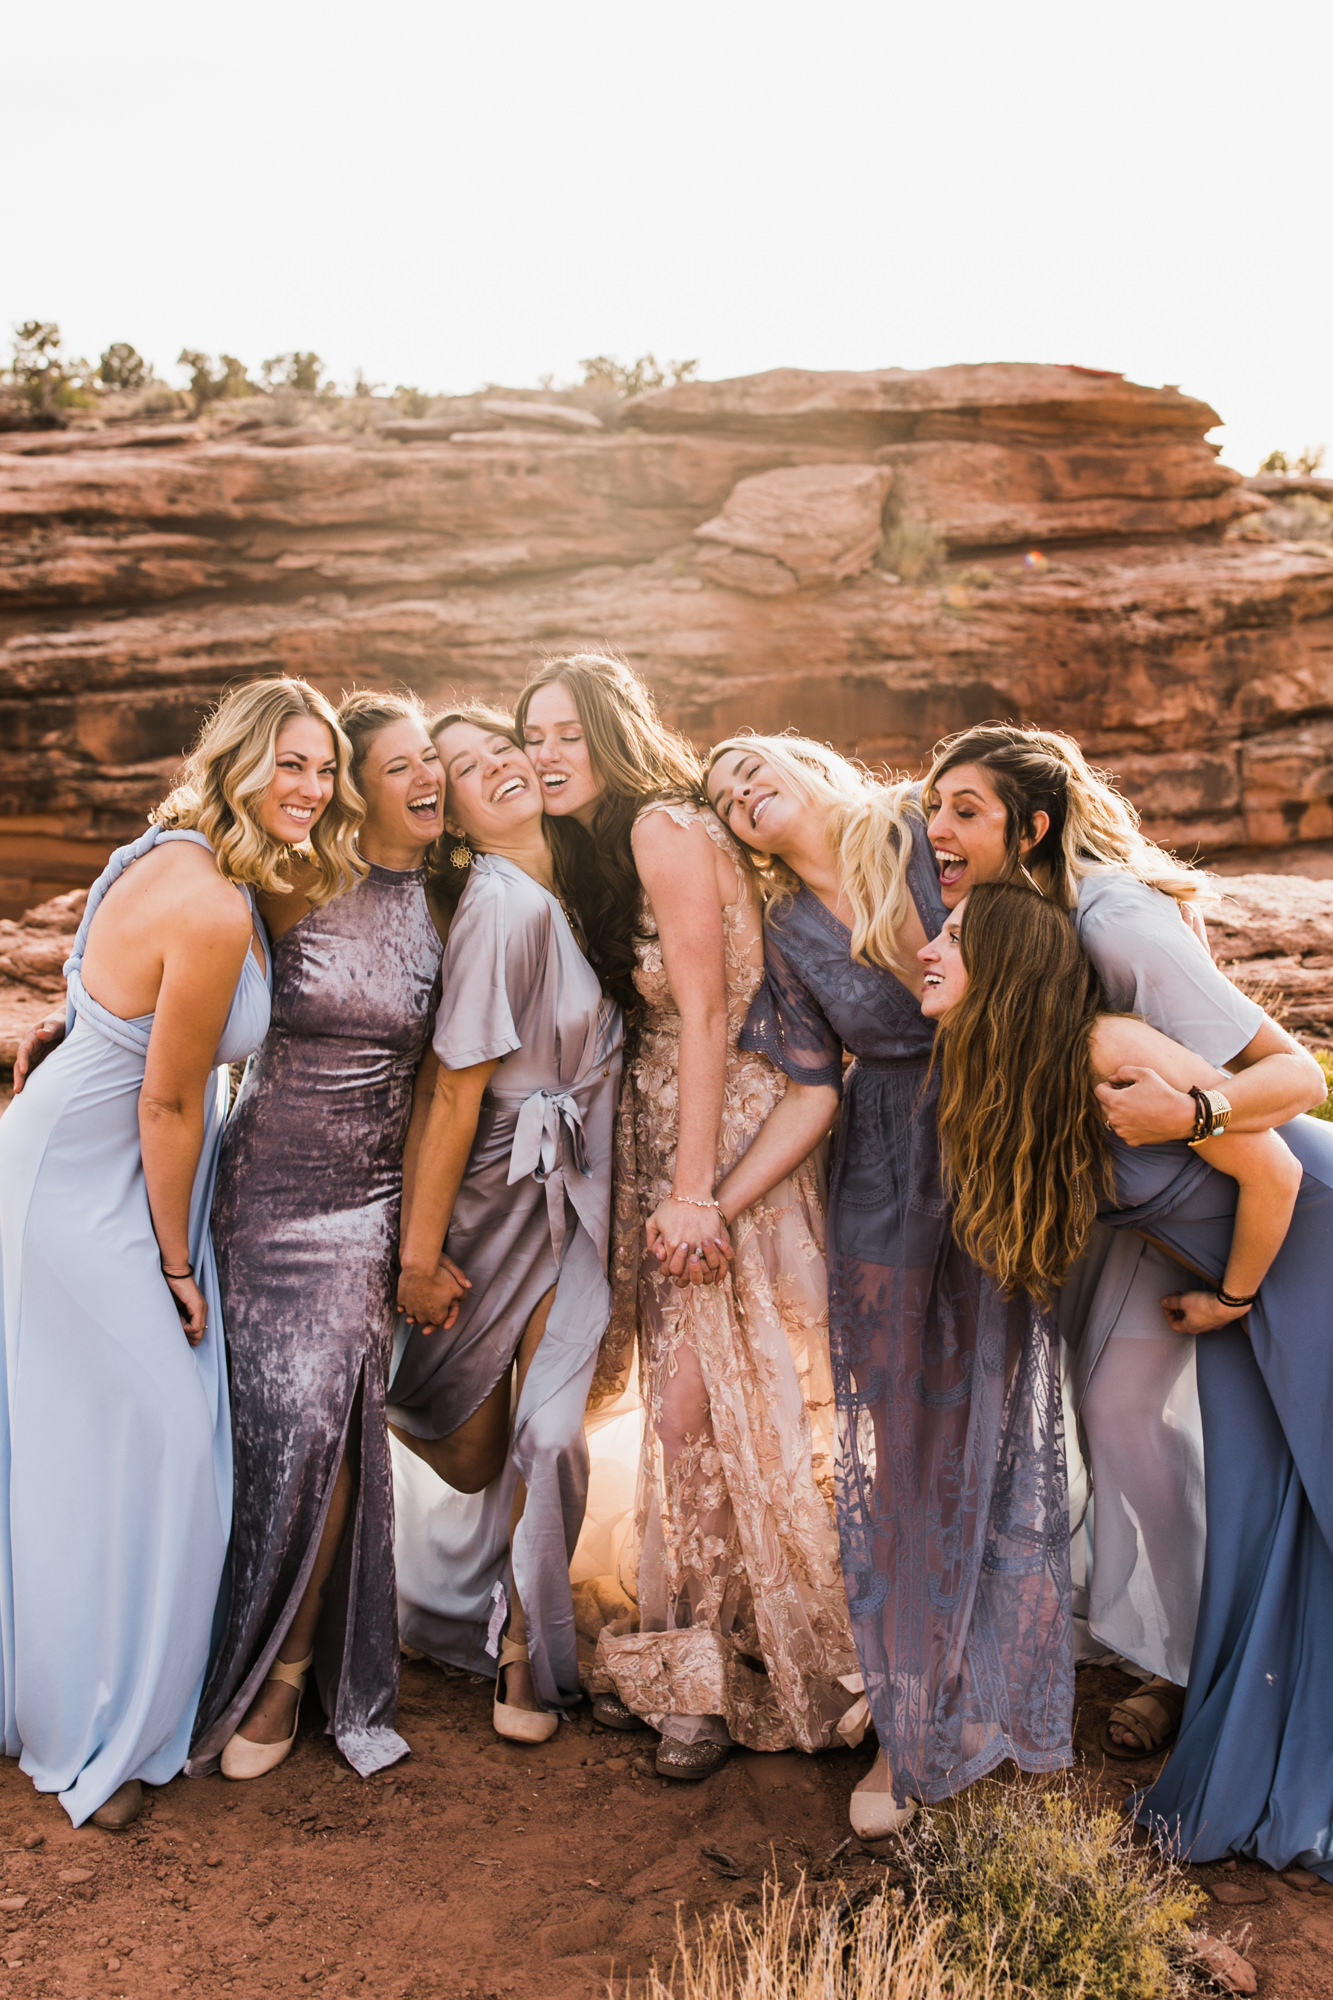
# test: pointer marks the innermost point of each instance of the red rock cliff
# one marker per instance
(734, 540)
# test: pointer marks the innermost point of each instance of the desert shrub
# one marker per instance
(123, 367)
(1307, 462)
(795, 1949)
(635, 377)
(913, 550)
(1028, 1877)
(412, 402)
(299, 370)
(229, 381)
(45, 378)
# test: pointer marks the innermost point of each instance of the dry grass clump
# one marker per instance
(1020, 1892)
(794, 1949)
(1030, 1878)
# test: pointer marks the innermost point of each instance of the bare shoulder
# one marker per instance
(663, 841)
(196, 898)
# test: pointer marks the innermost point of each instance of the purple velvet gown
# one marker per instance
(305, 1220)
(951, 1486)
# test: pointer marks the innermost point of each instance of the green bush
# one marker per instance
(123, 367)
(1061, 1896)
(632, 379)
(47, 379)
(206, 386)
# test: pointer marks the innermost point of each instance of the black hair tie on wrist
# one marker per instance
(1225, 1299)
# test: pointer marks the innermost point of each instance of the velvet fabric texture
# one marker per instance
(306, 1220)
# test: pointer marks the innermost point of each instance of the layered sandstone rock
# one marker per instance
(1272, 933)
(726, 538)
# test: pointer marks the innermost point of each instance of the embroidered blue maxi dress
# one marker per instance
(1252, 1769)
(951, 1486)
(115, 1436)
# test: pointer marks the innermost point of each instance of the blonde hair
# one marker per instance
(228, 771)
(1092, 825)
(869, 827)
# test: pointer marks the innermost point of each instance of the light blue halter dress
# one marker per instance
(115, 1436)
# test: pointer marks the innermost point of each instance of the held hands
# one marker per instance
(690, 1243)
(192, 1306)
(1199, 1312)
(1143, 1109)
(35, 1046)
(431, 1300)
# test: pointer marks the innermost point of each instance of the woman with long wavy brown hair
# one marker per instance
(1026, 1047)
(738, 1553)
(1009, 803)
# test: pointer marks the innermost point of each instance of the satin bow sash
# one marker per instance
(547, 1121)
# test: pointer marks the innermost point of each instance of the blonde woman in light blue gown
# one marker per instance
(112, 1544)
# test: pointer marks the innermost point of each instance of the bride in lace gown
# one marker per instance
(744, 1634)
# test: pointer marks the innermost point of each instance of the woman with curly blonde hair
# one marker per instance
(115, 1466)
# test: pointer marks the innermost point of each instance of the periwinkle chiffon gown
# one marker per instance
(115, 1442)
(306, 1221)
(1252, 1769)
(952, 1502)
(533, 1213)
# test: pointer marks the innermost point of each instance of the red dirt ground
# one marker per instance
(474, 1871)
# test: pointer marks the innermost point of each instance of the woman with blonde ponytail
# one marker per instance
(952, 1506)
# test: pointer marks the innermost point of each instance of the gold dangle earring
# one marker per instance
(461, 855)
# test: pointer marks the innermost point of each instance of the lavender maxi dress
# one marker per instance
(533, 1213)
(306, 1222)
(115, 1446)
(952, 1501)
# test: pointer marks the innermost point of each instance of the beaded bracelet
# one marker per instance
(691, 1201)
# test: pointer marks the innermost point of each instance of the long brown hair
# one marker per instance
(1023, 1139)
(363, 713)
(636, 758)
(1091, 824)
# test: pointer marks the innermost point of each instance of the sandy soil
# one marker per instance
(474, 1871)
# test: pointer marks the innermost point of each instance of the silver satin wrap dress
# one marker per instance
(115, 1435)
(533, 1213)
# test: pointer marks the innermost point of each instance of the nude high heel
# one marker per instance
(873, 1810)
(244, 1759)
(518, 1725)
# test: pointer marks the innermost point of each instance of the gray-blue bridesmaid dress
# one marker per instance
(115, 1441)
(306, 1220)
(951, 1487)
(1252, 1769)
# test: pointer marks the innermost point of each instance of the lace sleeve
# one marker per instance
(787, 1024)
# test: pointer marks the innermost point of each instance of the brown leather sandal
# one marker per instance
(1154, 1736)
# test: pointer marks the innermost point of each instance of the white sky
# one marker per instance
(445, 194)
